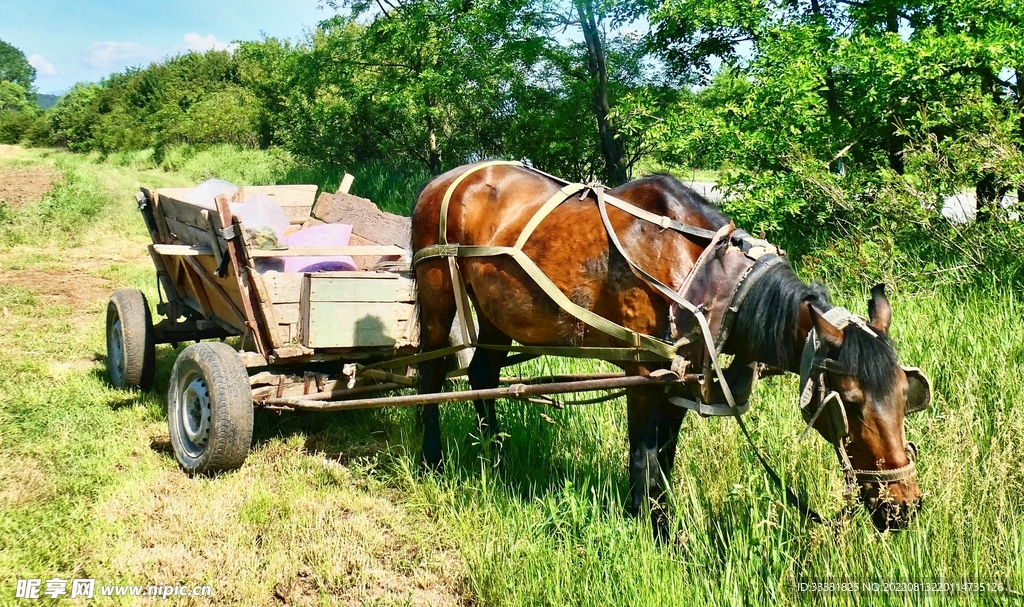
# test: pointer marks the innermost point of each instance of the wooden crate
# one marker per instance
(358, 309)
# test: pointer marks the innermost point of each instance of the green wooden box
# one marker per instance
(358, 309)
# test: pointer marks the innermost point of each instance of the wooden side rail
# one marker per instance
(181, 250)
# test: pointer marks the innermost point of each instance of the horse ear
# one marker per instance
(879, 310)
(827, 332)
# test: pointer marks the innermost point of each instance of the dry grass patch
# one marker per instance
(288, 528)
(22, 481)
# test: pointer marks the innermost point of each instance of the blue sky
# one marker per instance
(78, 41)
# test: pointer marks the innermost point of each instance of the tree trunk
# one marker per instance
(611, 145)
(892, 25)
(835, 110)
(433, 153)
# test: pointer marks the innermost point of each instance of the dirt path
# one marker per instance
(23, 185)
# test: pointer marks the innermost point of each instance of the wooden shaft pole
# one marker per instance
(514, 391)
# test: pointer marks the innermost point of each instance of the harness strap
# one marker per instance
(709, 342)
(665, 223)
(442, 226)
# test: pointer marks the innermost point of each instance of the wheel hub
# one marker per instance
(115, 355)
(195, 412)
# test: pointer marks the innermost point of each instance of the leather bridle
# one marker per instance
(817, 400)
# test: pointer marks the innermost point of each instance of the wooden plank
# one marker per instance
(356, 324)
(365, 218)
(188, 234)
(194, 287)
(158, 214)
(377, 288)
(270, 322)
(191, 250)
(221, 301)
(286, 313)
(346, 184)
(284, 195)
(283, 287)
(185, 212)
(288, 333)
(295, 200)
(211, 237)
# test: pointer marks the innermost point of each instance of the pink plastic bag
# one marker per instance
(326, 235)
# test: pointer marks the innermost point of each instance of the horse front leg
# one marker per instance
(644, 468)
(653, 435)
(669, 420)
(437, 311)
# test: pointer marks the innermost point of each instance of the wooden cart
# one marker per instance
(315, 341)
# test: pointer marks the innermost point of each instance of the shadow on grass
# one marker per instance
(542, 451)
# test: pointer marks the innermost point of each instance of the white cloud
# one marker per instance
(43, 67)
(209, 42)
(117, 55)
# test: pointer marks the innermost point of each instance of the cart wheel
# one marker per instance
(131, 352)
(209, 408)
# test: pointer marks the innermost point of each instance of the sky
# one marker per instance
(83, 41)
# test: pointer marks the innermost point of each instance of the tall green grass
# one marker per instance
(543, 522)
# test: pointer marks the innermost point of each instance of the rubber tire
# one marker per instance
(137, 339)
(231, 410)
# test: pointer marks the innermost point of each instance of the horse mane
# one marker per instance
(687, 197)
(872, 360)
(769, 316)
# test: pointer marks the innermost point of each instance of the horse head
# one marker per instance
(856, 395)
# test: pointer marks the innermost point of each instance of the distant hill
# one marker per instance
(46, 101)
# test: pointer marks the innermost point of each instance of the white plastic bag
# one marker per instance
(206, 192)
(260, 210)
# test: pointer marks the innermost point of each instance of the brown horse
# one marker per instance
(492, 205)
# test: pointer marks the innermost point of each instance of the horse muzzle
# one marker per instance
(892, 505)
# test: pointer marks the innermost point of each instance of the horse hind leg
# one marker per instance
(485, 373)
(437, 311)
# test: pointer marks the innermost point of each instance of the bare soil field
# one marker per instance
(22, 185)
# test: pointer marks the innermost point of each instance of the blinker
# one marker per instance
(919, 392)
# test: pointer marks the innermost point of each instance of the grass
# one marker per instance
(332, 509)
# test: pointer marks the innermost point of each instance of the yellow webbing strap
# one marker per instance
(637, 340)
(442, 227)
(640, 343)
(558, 198)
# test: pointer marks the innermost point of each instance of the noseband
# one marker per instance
(814, 388)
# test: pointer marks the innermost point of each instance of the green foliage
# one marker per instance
(837, 128)
(71, 119)
(15, 68)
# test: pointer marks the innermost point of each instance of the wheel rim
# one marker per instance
(194, 414)
(115, 352)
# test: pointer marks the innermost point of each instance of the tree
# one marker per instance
(433, 76)
(15, 68)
